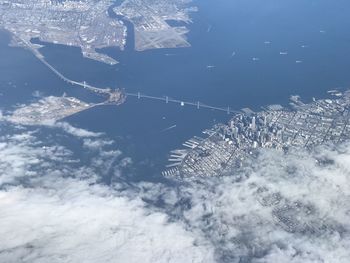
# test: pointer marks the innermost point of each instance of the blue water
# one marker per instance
(219, 29)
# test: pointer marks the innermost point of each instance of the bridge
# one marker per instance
(40, 57)
(167, 99)
(110, 93)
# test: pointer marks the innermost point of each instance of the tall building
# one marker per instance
(253, 125)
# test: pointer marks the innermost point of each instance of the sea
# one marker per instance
(244, 53)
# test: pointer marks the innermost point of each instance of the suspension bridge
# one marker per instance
(168, 99)
(110, 92)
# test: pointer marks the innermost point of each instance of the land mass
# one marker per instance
(226, 146)
(83, 24)
(151, 22)
(47, 110)
(89, 25)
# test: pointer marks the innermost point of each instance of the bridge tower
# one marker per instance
(198, 105)
(166, 99)
(84, 84)
(228, 110)
(138, 95)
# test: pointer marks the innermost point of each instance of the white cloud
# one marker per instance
(94, 144)
(37, 94)
(77, 132)
(81, 223)
(52, 210)
(279, 208)
(285, 208)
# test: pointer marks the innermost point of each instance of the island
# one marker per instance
(47, 110)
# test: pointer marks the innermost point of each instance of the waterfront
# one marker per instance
(233, 77)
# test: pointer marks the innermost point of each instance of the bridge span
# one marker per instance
(40, 57)
(168, 99)
(112, 93)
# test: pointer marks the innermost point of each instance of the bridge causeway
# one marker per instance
(138, 95)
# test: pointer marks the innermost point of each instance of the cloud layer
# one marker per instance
(280, 208)
(52, 210)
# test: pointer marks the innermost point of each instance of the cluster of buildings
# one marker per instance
(226, 146)
(85, 24)
(92, 25)
(47, 110)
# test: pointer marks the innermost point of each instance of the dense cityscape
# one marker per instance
(227, 146)
(93, 25)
